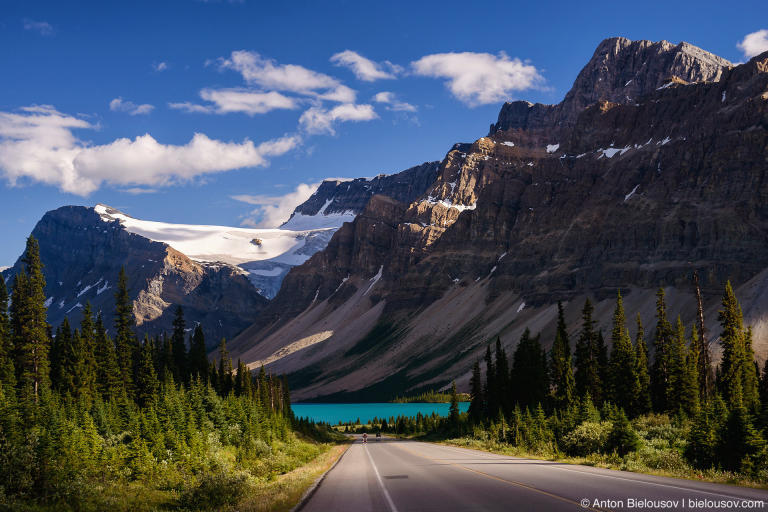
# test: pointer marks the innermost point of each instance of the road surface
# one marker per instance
(395, 475)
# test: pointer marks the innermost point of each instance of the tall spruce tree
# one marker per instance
(691, 392)
(763, 390)
(661, 346)
(491, 400)
(623, 367)
(146, 378)
(529, 372)
(731, 338)
(109, 382)
(29, 327)
(198, 359)
(750, 374)
(561, 369)
(503, 391)
(178, 341)
(677, 369)
(7, 371)
(588, 372)
(476, 405)
(166, 366)
(87, 359)
(454, 407)
(643, 400)
(61, 348)
(226, 381)
(125, 340)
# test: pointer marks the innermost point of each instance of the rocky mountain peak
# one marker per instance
(620, 71)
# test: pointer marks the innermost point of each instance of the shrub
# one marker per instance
(588, 437)
(216, 490)
(623, 438)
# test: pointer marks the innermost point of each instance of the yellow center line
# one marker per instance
(510, 482)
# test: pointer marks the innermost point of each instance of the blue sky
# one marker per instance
(102, 101)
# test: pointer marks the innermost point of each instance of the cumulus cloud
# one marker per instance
(160, 66)
(754, 43)
(41, 27)
(38, 144)
(341, 94)
(225, 101)
(364, 69)
(389, 99)
(121, 105)
(479, 78)
(320, 120)
(268, 74)
(272, 211)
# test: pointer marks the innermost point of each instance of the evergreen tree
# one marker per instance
(7, 371)
(561, 369)
(108, 378)
(226, 382)
(454, 407)
(146, 378)
(529, 372)
(29, 327)
(660, 378)
(690, 389)
(287, 411)
(87, 356)
(502, 381)
(125, 340)
(764, 385)
(731, 338)
(676, 368)
(623, 438)
(491, 400)
(178, 341)
(623, 367)
(60, 356)
(166, 366)
(198, 359)
(643, 400)
(588, 371)
(476, 404)
(750, 374)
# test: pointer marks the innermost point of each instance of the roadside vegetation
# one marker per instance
(88, 422)
(675, 414)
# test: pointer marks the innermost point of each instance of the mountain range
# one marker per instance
(652, 167)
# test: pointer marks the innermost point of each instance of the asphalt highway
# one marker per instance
(395, 475)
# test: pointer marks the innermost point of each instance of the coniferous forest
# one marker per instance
(92, 421)
(673, 412)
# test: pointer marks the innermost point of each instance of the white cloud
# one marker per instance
(479, 78)
(41, 27)
(134, 191)
(38, 144)
(268, 74)
(320, 120)
(389, 99)
(341, 94)
(364, 69)
(272, 211)
(226, 101)
(120, 105)
(160, 66)
(754, 43)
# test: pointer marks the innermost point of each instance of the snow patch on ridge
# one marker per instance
(551, 148)
(626, 197)
(375, 279)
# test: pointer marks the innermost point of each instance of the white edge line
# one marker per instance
(578, 469)
(391, 504)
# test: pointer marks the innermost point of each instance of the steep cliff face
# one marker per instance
(344, 199)
(560, 202)
(82, 253)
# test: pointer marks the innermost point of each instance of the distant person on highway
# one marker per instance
(378, 436)
(365, 438)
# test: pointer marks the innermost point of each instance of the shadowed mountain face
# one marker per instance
(83, 253)
(220, 275)
(653, 166)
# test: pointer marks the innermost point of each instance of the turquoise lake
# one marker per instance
(334, 413)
